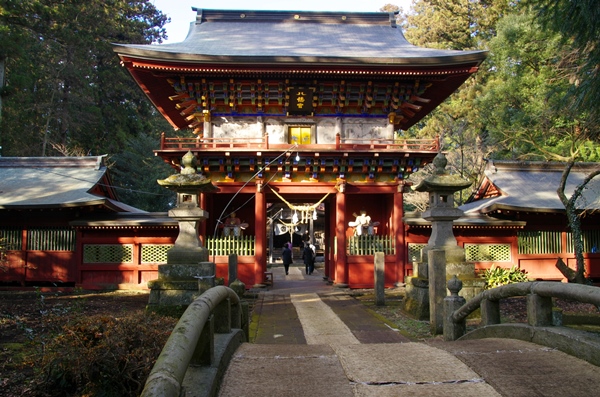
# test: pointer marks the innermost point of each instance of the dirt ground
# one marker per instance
(25, 317)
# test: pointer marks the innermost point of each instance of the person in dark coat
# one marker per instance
(308, 256)
(286, 255)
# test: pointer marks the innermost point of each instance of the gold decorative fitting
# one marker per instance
(392, 117)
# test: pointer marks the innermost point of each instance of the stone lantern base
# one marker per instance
(185, 276)
(178, 285)
(416, 301)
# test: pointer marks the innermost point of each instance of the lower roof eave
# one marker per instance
(498, 207)
(34, 206)
(472, 59)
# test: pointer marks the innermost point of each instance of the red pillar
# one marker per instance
(341, 262)
(328, 253)
(400, 234)
(260, 232)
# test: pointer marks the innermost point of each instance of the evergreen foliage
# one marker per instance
(135, 172)
(65, 92)
(536, 96)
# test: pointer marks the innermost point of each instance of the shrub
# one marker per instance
(497, 276)
(104, 356)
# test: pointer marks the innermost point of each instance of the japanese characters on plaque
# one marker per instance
(301, 101)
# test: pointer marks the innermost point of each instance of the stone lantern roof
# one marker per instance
(441, 181)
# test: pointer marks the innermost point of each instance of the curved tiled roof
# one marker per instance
(241, 62)
(531, 186)
(56, 182)
(298, 37)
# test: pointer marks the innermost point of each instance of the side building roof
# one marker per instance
(531, 187)
(57, 182)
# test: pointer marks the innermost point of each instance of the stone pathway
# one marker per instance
(314, 340)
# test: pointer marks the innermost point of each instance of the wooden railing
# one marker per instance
(223, 246)
(240, 143)
(368, 245)
(212, 143)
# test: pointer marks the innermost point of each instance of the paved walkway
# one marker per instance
(314, 340)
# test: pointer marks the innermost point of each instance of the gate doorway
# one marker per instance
(285, 225)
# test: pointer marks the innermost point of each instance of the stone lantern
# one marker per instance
(187, 272)
(442, 213)
(442, 258)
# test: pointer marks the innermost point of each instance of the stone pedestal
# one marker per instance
(379, 276)
(179, 284)
(465, 271)
(437, 290)
(187, 273)
(416, 300)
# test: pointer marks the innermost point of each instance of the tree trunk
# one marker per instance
(571, 275)
(1, 92)
(573, 217)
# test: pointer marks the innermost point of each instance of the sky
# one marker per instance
(181, 14)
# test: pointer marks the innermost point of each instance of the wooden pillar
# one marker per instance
(203, 202)
(79, 243)
(260, 232)
(330, 242)
(137, 259)
(400, 238)
(270, 239)
(2, 73)
(341, 262)
(207, 130)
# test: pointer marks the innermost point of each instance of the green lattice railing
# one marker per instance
(414, 251)
(12, 238)
(368, 245)
(155, 253)
(591, 241)
(488, 252)
(107, 253)
(220, 246)
(539, 242)
(51, 239)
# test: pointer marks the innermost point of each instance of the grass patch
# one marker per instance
(391, 313)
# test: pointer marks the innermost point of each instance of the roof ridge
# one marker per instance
(372, 18)
(553, 166)
(95, 162)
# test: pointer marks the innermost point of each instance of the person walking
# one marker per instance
(308, 258)
(286, 256)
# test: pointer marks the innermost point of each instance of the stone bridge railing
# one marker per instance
(544, 324)
(198, 351)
